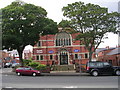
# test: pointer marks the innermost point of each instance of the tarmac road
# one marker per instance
(58, 81)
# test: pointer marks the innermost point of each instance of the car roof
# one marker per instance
(25, 67)
(95, 62)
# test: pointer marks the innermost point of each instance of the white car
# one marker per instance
(7, 65)
(15, 64)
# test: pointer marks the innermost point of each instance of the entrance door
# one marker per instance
(63, 58)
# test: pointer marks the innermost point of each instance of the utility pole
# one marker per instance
(79, 58)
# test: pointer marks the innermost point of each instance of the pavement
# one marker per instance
(9, 71)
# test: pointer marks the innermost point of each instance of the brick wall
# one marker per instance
(48, 48)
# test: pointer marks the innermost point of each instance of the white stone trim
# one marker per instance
(60, 46)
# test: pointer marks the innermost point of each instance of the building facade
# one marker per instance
(8, 56)
(60, 49)
(111, 55)
(27, 54)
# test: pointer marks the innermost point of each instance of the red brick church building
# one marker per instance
(60, 49)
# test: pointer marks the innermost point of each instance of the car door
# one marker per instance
(108, 68)
(100, 67)
(28, 71)
(20, 70)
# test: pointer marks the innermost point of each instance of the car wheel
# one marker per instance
(95, 73)
(117, 72)
(18, 74)
(34, 74)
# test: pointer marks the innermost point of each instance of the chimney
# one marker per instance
(107, 47)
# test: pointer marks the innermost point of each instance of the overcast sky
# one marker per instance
(53, 7)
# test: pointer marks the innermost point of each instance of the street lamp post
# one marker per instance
(79, 58)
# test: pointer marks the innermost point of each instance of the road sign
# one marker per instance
(76, 50)
(51, 51)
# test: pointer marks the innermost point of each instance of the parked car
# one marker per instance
(27, 71)
(96, 68)
(15, 64)
(7, 65)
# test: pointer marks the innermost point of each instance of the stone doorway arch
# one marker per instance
(63, 57)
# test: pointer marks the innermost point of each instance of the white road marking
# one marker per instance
(70, 87)
(8, 87)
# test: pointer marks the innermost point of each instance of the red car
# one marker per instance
(27, 71)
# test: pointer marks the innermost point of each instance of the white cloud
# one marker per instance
(112, 41)
(53, 7)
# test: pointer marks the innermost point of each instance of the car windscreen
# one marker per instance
(27, 68)
(20, 68)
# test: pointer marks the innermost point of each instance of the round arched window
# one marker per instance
(63, 39)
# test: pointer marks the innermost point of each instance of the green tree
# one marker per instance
(92, 22)
(50, 27)
(21, 25)
(65, 25)
(0, 30)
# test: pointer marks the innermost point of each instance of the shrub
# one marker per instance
(34, 64)
(27, 62)
(41, 67)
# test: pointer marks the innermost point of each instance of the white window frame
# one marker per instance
(37, 57)
(52, 57)
(40, 57)
(77, 56)
(87, 56)
(39, 44)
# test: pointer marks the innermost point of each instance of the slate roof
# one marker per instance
(99, 50)
(103, 49)
(115, 51)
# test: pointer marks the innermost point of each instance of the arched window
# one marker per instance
(56, 42)
(67, 43)
(39, 43)
(63, 39)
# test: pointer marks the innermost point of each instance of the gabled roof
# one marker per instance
(103, 49)
(99, 50)
(115, 51)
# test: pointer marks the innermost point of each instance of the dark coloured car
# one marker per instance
(96, 68)
(27, 71)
